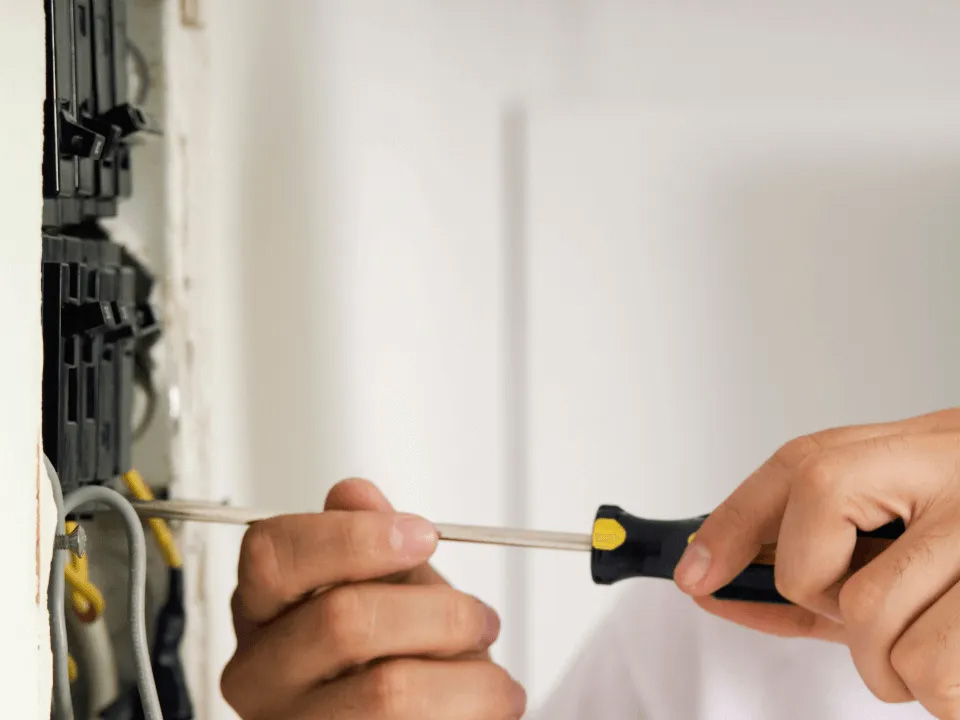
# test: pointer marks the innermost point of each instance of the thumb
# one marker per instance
(359, 494)
(731, 537)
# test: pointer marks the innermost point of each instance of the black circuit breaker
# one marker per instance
(88, 118)
(97, 319)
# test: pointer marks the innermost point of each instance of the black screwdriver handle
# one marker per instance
(626, 546)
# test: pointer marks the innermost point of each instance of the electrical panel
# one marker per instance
(99, 327)
(87, 116)
(97, 320)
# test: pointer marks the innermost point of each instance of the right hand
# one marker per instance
(338, 616)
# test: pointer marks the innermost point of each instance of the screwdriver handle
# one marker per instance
(625, 546)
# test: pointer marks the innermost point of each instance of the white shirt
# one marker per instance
(660, 657)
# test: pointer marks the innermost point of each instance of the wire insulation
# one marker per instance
(80, 605)
(93, 603)
(62, 700)
(138, 580)
(161, 531)
(150, 410)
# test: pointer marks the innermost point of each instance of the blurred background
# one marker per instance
(511, 260)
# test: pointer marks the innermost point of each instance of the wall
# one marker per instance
(28, 517)
(514, 259)
(705, 287)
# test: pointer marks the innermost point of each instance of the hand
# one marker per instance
(899, 614)
(339, 617)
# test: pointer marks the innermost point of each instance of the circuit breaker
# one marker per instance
(96, 315)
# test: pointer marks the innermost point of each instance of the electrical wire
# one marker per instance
(92, 604)
(142, 70)
(80, 605)
(90, 634)
(62, 701)
(150, 409)
(138, 580)
(161, 531)
(88, 601)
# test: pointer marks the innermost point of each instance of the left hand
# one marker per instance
(899, 614)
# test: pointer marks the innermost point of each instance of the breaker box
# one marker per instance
(96, 313)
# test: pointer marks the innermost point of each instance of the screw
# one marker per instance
(75, 542)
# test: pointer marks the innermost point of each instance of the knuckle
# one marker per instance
(890, 692)
(389, 688)
(463, 616)
(911, 663)
(925, 673)
(358, 539)
(230, 682)
(259, 567)
(343, 620)
(344, 488)
(794, 452)
(861, 601)
(731, 516)
(887, 444)
(507, 691)
(788, 585)
(816, 476)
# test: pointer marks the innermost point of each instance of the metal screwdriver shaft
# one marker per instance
(514, 537)
(212, 513)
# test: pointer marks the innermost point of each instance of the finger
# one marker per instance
(927, 656)
(731, 537)
(880, 601)
(414, 689)
(859, 486)
(772, 619)
(359, 494)
(242, 627)
(351, 625)
(284, 558)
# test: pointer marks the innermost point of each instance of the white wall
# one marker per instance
(705, 287)
(452, 247)
(25, 499)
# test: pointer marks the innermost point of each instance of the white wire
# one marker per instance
(62, 700)
(138, 582)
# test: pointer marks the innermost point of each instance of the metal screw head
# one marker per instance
(75, 541)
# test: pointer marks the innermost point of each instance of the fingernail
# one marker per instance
(491, 627)
(693, 566)
(413, 536)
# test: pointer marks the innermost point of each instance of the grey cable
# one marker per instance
(138, 587)
(142, 70)
(62, 700)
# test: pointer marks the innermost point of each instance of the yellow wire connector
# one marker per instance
(161, 531)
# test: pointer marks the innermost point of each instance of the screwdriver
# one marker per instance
(621, 545)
